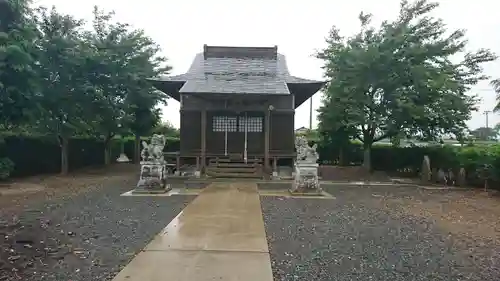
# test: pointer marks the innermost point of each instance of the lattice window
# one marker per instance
(253, 124)
(224, 124)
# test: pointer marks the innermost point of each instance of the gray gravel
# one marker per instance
(88, 237)
(352, 238)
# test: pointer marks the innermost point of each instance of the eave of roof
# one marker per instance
(171, 88)
(301, 91)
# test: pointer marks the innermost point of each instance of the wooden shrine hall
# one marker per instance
(237, 110)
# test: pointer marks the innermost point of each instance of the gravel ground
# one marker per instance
(89, 236)
(369, 234)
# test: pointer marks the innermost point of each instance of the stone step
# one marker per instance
(234, 175)
(235, 165)
(233, 169)
(234, 161)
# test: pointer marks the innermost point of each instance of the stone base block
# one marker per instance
(306, 190)
(307, 193)
(151, 186)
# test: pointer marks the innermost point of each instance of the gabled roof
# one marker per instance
(242, 70)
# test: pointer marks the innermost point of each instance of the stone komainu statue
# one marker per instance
(304, 151)
(154, 150)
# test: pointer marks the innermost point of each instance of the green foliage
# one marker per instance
(123, 59)
(66, 93)
(166, 129)
(400, 79)
(34, 155)
(482, 162)
(17, 51)
(108, 73)
(6, 168)
(496, 87)
(61, 80)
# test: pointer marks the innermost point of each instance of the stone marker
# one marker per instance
(450, 179)
(434, 175)
(441, 176)
(426, 173)
(306, 168)
(462, 177)
(153, 167)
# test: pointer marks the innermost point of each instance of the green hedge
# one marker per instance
(408, 160)
(172, 145)
(34, 155)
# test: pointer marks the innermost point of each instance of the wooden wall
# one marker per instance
(281, 122)
(190, 132)
(282, 135)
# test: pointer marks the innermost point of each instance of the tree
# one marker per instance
(141, 111)
(167, 129)
(58, 79)
(17, 49)
(496, 129)
(496, 87)
(123, 58)
(108, 72)
(66, 92)
(400, 79)
(332, 131)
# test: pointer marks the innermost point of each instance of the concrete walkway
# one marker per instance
(219, 236)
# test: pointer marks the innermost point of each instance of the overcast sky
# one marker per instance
(297, 27)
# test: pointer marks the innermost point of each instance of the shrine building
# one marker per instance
(237, 107)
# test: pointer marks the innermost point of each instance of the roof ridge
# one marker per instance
(240, 52)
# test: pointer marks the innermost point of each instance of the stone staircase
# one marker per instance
(234, 168)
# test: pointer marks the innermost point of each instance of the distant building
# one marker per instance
(302, 130)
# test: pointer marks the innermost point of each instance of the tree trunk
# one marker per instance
(63, 142)
(137, 149)
(367, 161)
(107, 151)
(341, 157)
(122, 145)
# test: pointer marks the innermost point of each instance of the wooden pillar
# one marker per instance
(266, 139)
(178, 164)
(203, 138)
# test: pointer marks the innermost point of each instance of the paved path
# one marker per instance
(219, 236)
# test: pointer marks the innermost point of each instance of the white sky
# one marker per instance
(297, 27)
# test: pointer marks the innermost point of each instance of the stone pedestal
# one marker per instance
(153, 174)
(426, 173)
(152, 179)
(462, 177)
(306, 178)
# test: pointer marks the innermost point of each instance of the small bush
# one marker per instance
(6, 167)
